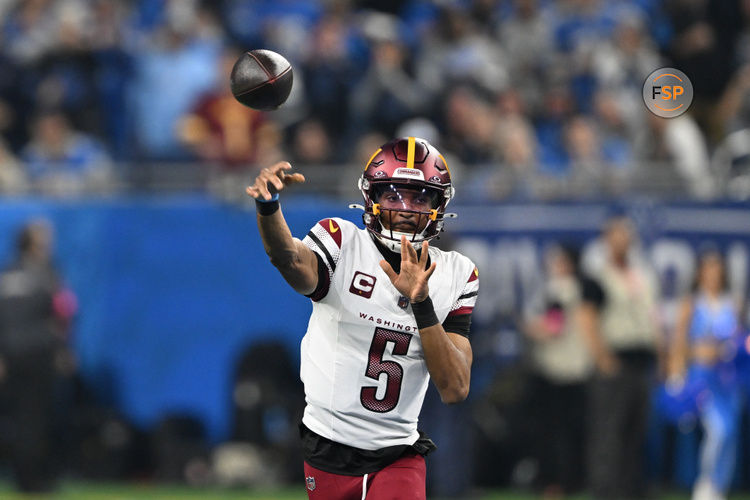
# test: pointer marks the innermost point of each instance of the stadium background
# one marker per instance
(117, 126)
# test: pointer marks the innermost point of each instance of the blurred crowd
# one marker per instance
(526, 97)
(615, 393)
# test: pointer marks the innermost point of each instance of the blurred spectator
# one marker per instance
(387, 94)
(616, 128)
(282, 25)
(580, 27)
(34, 314)
(12, 176)
(619, 323)
(61, 160)
(526, 38)
(561, 366)
(110, 43)
(733, 109)
(311, 144)
(517, 149)
(332, 66)
(703, 344)
(456, 53)
(470, 126)
(518, 146)
(742, 47)
(171, 73)
(623, 62)
(703, 42)
(220, 130)
(679, 143)
(420, 127)
(65, 76)
(585, 154)
(30, 29)
(13, 102)
(556, 108)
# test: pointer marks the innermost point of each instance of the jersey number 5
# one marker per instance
(377, 366)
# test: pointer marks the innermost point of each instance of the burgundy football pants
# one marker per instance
(404, 479)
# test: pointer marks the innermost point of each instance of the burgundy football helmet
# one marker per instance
(407, 164)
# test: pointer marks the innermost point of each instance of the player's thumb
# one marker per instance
(388, 270)
(295, 178)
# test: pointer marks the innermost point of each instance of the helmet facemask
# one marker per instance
(394, 210)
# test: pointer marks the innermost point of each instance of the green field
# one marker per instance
(135, 491)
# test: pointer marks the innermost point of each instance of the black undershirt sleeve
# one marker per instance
(324, 281)
(459, 324)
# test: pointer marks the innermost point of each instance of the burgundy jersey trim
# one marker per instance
(332, 228)
(461, 310)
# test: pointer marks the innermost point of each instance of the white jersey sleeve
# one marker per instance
(466, 301)
(325, 240)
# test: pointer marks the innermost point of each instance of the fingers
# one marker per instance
(279, 167)
(408, 254)
(430, 271)
(262, 184)
(412, 253)
(295, 178)
(276, 182)
(273, 179)
(424, 255)
(388, 270)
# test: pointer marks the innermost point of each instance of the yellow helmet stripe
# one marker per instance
(445, 163)
(410, 153)
(372, 158)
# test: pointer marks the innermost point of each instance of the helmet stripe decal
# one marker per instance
(445, 163)
(373, 157)
(410, 153)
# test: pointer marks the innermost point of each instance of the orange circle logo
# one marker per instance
(667, 92)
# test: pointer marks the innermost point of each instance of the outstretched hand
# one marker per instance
(412, 281)
(273, 179)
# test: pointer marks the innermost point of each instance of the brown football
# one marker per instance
(261, 79)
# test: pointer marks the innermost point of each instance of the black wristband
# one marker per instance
(424, 313)
(266, 207)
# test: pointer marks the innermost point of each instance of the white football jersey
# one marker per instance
(362, 363)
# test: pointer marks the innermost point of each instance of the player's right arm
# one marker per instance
(295, 261)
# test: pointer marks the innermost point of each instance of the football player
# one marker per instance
(389, 313)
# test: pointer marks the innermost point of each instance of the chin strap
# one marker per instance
(395, 245)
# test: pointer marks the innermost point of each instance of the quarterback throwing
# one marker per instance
(389, 314)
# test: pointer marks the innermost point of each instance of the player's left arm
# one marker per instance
(448, 354)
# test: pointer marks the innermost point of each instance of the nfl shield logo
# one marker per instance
(310, 483)
(403, 302)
